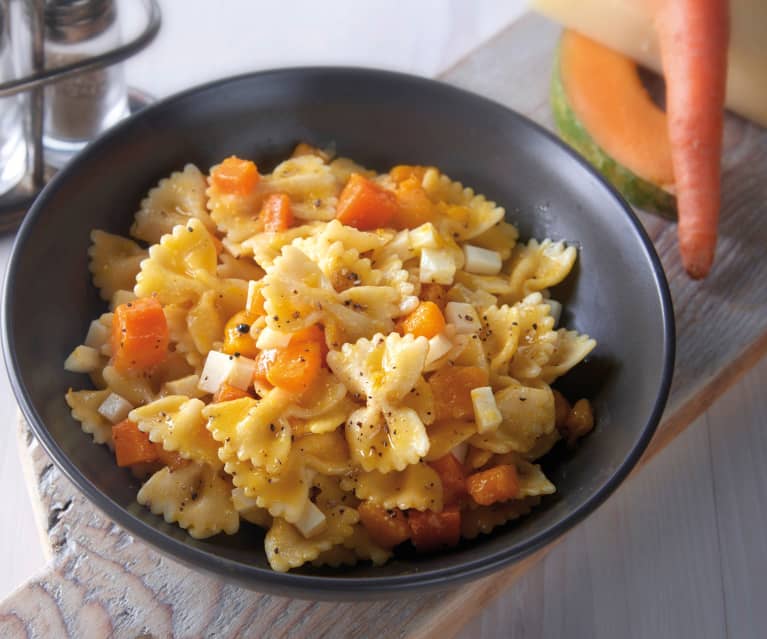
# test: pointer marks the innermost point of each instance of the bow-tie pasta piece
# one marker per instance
(252, 430)
(249, 510)
(528, 413)
(238, 268)
(501, 238)
(180, 339)
(499, 337)
(331, 522)
(445, 435)
(537, 338)
(570, 349)
(181, 267)
(173, 201)
(418, 487)
(178, 424)
(327, 453)
(311, 184)
(284, 495)
(537, 266)
(484, 519)
(114, 262)
(207, 318)
(465, 215)
(478, 298)
(84, 405)
(195, 497)
(267, 247)
(365, 548)
(137, 389)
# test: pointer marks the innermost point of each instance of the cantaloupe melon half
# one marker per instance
(603, 110)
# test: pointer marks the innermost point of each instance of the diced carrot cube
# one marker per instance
(235, 176)
(499, 483)
(425, 321)
(139, 335)
(452, 386)
(277, 212)
(132, 446)
(387, 528)
(415, 207)
(453, 478)
(296, 366)
(226, 392)
(435, 531)
(365, 205)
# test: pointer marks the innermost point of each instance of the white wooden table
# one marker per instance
(678, 551)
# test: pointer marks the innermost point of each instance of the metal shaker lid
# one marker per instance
(70, 21)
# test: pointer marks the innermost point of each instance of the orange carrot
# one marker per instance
(296, 366)
(139, 335)
(132, 446)
(237, 337)
(387, 528)
(226, 392)
(425, 321)
(435, 531)
(365, 205)
(693, 37)
(276, 212)
(499, 483)
(452, 386)
(415, 207)
(235, 176)
(453, 478)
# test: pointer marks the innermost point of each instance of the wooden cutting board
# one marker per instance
(102, 582)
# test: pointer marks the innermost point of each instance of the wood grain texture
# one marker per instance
(101, 578)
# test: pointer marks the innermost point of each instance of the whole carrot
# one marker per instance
(693, 37)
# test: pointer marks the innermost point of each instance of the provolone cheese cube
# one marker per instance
(312, 521)
(437, 266)
(115, 408)
(98, 335)
(271, 338)
(481, 261)
(424, 236)
(463, 316)
(217, 369)
(241, 374)
(486, 413)
(83, 359)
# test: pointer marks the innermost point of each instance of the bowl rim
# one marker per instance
(323, 586)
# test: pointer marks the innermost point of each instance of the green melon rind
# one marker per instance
(640, 192)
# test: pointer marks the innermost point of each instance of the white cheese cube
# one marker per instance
(115, 408)
(481, 261)
(463, 316)
(98, 334)
(424, 236)
(241, 374)
(271, 338)
(459, 451)
(436, 266)
(439, 346)
(486, 413)
(186, 386)
(217, 369)
(555, 310)
(83, 359)
(312, 521)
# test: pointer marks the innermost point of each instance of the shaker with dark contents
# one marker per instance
(80, 108)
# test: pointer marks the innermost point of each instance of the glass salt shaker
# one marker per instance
(80, 108)
(13, 145)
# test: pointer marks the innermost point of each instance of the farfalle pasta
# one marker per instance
(349, 360)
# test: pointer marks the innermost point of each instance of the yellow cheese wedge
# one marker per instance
(626, 26)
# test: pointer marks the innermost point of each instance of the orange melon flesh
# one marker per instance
(606, 94)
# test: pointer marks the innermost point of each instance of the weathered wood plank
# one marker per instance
(100, 575)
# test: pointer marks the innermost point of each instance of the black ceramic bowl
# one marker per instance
(618, 293)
